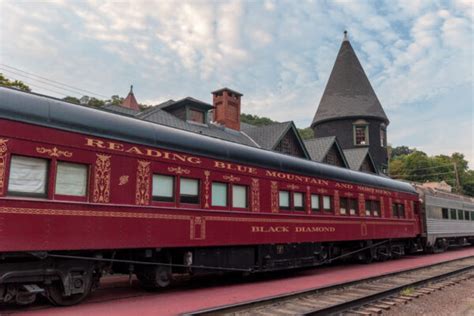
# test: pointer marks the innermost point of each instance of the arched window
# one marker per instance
(361, 133)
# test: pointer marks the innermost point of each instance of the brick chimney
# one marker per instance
(227, 107)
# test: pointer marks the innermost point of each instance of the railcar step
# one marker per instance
(33, 288)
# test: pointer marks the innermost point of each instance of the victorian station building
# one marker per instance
(350, 125)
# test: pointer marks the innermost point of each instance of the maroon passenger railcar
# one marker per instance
(83, 191)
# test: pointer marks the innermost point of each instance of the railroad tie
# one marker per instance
(373, 309)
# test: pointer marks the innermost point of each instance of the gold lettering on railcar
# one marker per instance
(270, 229)
(294, 177)
(141, 151)
(274, 198)
(363, 229)
(207, 173)
(234, 167)
(142, 192)
(255, 192)
(344, 186)
(373, 190)
(197, 228)
(54, 152)
(123, 180)
(315, 229)
(102, 173)
(3, 162)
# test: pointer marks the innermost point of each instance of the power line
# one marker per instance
(56, 82)
(38, 80)
(44, 88)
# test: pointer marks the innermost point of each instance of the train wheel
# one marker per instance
(154, 277)
(56, 295)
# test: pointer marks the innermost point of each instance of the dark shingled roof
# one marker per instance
(120, 109)
(269, 136)
(318, 148)
(355, 157)
(348, 92)
(159, 116)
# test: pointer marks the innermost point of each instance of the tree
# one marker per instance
(400, 151)
(14, 84)
(72, 100)
(414, 165)
(306, 133)
(255, 120)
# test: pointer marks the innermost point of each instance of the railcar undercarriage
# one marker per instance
(66, 278)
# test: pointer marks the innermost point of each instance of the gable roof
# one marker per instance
(170, 104)
(318, 148)
(356, 156)
(348, 92)
(269, 136)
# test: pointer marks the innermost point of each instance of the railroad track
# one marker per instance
(363, 297)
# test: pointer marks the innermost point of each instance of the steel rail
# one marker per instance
(342, 306)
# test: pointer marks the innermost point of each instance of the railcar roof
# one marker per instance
(46, 111)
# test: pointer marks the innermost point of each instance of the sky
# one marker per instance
(418, 56)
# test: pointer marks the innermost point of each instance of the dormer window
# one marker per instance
(361, 133)
(196, 116)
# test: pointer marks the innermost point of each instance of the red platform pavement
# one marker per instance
(177, 301)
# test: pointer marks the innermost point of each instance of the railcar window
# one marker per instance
(28, 176)
(219, 194)
(398, 210)
(239, 196)
(189, 190)
(472, 216)
(315, 202)
(327, 202)
(353, 206)
(444, 213)
(298, 201)
(71, 179)
(343, 206)
(466, 215)
(372, 208)
(163, 188)
(460, 214)
(284, 197)
(453, 214)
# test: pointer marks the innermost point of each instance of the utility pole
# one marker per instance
(458, 184)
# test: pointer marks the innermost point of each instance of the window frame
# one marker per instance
(231, 191)
(47, 190)
(227, 195)
(444, 211)
(331, 204)
(371, 209)
(468, 217)
(82, 198)
(365, 126)
(460, 215)
(284, 208)
(198, 196)
(301, 208)
(158, 199)
(451, 212)
(318, 197)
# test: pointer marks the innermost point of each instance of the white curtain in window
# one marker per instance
(189, 186)
(284, 199)
(298, 199)
(219, 194)
(239, 196)
(315, 201)
(327, 202)
(163, 186)
(28, 175)
(71, 179)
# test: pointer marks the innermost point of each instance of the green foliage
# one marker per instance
(14, 84)
(72, 100)
(306, 133)
(255, 120)
(414, 165)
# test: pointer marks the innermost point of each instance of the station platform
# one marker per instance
(118, 298)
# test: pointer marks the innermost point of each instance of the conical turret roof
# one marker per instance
(348, 92)
(130, 101)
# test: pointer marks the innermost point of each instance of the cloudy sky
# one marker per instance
(279, 54)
